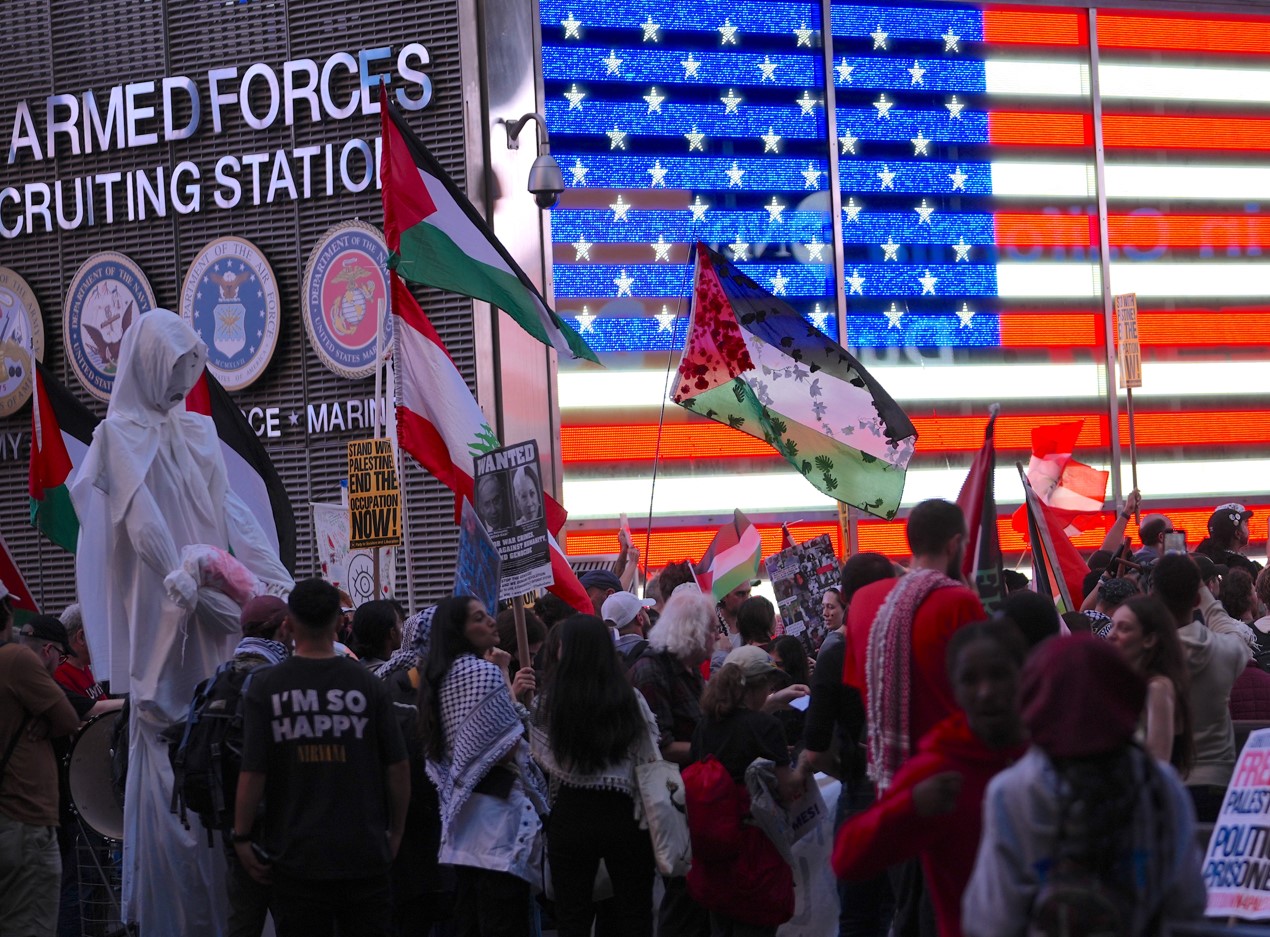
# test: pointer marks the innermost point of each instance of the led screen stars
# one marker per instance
(675, 123)
(964, 136)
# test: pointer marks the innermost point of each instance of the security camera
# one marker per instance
(546, 181)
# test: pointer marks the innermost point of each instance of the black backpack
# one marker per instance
(206, 750)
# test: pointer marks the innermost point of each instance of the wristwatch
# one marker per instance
(236, 837)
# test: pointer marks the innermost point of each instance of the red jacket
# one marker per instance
(890, 831)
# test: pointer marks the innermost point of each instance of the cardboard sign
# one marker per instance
(374, 500)
(350, 570)
(1128, 350)
(509, 502)
(800, 576)
(1237, 864)
(479, 568)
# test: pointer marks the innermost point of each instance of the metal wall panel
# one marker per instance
(68, 46)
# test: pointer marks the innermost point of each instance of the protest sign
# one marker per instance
(374, 500)
(1128, 348)
(479, 567)
(345, 568)
(509, 502)
(800, 576)
(1237, 864)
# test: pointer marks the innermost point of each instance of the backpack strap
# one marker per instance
(13, 743)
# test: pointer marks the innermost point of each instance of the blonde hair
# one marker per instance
(686, 626)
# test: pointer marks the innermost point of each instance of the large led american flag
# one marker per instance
(964, 137)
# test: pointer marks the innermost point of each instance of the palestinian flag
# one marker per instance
(442, 426)
(20, 599)
(732, 558)
(61, 431)
(250, 471)
(982, 565)
(436, 237)
(1058, 570)
(752, 363)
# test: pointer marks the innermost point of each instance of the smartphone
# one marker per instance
(1175, 542)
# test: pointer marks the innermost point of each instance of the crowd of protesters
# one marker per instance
(1002, 772)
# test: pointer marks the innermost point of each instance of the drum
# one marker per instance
(88, 777)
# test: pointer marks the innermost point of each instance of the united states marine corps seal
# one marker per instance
(345, 294)
(230, 297)
(107, 294)
(21, 340)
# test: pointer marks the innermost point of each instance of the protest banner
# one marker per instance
(509, 502)
(800, 576)
(345, 568)
(479, 567)
(1237, 864)
(374, 500)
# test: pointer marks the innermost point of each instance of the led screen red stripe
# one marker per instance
(699, 440)
(676, 543)
(1140, 232)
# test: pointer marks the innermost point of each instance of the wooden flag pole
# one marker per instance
(522, 635)
(1133, 454)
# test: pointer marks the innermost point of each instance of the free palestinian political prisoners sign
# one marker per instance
(509, 503)
(1237, 865)
(800, 576)
(374, 500)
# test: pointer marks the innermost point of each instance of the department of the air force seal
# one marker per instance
(230, 297)
(107, 294)
(21, 340)
(345, 294)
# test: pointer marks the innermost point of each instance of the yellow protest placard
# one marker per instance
(374, 498)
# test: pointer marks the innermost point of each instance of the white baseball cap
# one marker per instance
(620, 608)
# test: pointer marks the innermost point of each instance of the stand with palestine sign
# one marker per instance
(374, 499)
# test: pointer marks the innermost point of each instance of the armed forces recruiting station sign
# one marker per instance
(106, 296)
(21, 340)
(345, 298)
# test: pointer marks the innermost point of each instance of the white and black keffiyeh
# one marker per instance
(482, 724)
(415, 632)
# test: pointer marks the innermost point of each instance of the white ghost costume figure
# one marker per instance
(154, 482)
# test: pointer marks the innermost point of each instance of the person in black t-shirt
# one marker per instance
(322, 747)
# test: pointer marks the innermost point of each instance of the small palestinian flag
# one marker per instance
(61, 431)
(732, 558)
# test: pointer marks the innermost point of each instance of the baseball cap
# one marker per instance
(1226, 517)
(755, 662)
(47, 628)
(600, 579)
(262, 610)
(1207, 568)
(620, 608)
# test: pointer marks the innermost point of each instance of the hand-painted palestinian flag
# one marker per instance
(436, 237)
(982, 565)
(732, 558)
(752, 363)
(62, 429)
(442, 426)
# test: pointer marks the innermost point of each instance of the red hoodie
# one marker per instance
(891, 832)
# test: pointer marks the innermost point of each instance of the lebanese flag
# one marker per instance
(24, 606)
(441, 425)
(436, 237)
(61, 431)
(731, 559)
(1074, 491)
(977, 500)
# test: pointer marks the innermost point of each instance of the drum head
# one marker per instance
(88, 776)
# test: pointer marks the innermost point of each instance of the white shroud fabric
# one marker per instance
(153, 483)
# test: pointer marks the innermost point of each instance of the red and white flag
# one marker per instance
(441, 425)
(1073, 491)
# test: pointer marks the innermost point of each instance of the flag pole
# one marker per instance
(1133, 453)
(1037, 519)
